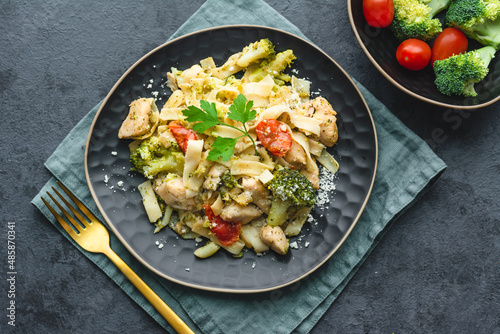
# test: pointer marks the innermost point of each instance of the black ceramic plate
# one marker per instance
(380, 46)
(107, 163)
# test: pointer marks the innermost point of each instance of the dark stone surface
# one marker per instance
(436, 270)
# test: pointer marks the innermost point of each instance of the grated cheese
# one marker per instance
(327, 181)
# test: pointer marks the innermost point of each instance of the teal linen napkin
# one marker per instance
(406, 168)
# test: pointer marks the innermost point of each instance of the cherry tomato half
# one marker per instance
(413, 54)
(274, 136)
(227, 233)
(181, 134)
(378, 13)
(449, 42)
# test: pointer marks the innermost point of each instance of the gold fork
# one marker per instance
(94, 237)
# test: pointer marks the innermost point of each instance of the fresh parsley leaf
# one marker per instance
(206, 118)
(222, 148)
(210, 108)
(241, 111)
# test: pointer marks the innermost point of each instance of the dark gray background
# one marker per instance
(436, 270)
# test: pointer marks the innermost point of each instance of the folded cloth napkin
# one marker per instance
(397, 186)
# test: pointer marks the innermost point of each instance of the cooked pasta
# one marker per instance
(232, 199)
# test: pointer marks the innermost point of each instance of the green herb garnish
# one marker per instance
(206, 117)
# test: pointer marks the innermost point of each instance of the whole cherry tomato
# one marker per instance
(181, 134)
(413, 54)
(274, 136)
(227, 233)
(378, 13)
(449, 42)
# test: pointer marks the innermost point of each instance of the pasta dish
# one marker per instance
(232, 155)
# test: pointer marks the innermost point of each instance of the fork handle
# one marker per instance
(169, 315)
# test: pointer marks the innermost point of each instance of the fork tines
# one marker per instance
(77, 227)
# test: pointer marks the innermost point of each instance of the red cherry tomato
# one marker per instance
(378, 13)
(413, 54)
(449, 42)
(227, 233)
(181, 134)
(274, 136)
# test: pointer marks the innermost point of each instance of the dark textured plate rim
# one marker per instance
(401, 87)
(216, 289)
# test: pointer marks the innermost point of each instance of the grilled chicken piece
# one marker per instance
(214, 177)
(260, 195)
(234, 213)
(137, 122)
(322, 110)
(275, 238)
(296, 156)
(173, 193)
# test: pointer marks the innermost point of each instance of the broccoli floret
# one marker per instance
(458, 74)
(251, 53)
(274, 67)
(289, 189)
(414, 18)
(151, 157)
(229, 180)
(478, 19)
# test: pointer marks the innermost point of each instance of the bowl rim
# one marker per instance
(401, 87)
